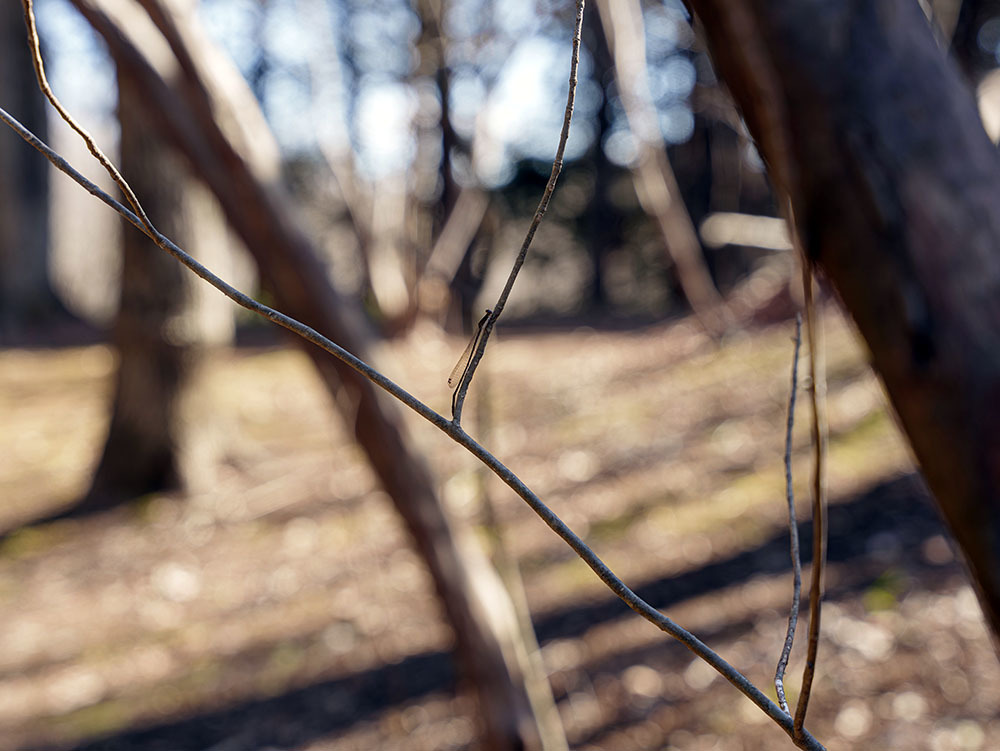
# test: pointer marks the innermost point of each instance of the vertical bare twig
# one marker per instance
(816, 389)
(543, 206)
(43, 84)
(793, 529)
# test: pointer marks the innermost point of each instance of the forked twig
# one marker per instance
(457, 434)
(816, 388)
(543, 205)
(800, 737)
(793, 529)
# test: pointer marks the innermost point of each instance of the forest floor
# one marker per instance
(277, 604)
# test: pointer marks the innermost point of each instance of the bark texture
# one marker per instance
(895, 190)
(216, 125)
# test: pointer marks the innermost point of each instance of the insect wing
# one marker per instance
(463, 362)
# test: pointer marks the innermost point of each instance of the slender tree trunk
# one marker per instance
(26, 296)
(435, 195)
(140, 453)
(232, 164)
(875, 137)
(602, 219)
(655, 182)
(164, 323)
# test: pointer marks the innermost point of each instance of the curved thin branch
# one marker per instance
(43, 84)
(793, 529)
(543, 205)
(816, 388)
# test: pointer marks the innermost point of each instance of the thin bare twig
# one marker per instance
(793, 529)
(543, 206)
(800, 737)
(43, 84)
(816, 389)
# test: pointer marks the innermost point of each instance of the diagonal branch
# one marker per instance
(209, 115)
(457, 434)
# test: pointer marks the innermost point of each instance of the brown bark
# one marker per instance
(163, 324)
(895, 188)
(231, 164)
(26, 296)
(141, 451)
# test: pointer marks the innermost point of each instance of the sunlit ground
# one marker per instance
(278, 605)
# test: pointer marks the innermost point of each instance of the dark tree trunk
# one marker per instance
(141, 452)
(437, 192)
(602, 219)
(976, 57)
(873, 134)
(26, 297)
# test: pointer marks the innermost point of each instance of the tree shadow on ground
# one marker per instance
(895, 516)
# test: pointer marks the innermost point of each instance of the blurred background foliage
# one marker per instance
(392, 109)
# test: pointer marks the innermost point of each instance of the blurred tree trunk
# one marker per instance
(655, 183)
(895, 189)
(26, 295)
(602, 219)
(164, 320)
(140, 453)
(213, 120)
(435, 187)
(434, 192)
(327, 85)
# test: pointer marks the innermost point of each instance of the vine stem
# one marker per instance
(793, 529)
(816, 389)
